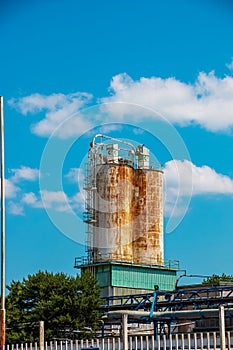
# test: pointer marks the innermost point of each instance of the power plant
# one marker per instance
(124, 217)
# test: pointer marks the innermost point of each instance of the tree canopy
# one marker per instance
(215, 280)
(68, 306)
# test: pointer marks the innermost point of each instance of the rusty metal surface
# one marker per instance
(147, 210)
(113, 229)
(129, 215)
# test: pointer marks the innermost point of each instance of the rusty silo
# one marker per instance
(124, 204)
(124, 216)
(109, 189)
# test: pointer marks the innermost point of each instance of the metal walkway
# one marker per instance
(196, 299)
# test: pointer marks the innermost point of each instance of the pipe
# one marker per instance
(188, 275)
(113, 139)
(170, 315)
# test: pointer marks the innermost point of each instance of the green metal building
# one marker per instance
(120, 278)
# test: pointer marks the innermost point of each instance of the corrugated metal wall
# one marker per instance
(135, 277)
(142, 278)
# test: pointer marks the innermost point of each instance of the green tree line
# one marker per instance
(216, 280)
(69, 307)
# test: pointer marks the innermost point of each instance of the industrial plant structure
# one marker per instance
(124, 217)
(125, 249)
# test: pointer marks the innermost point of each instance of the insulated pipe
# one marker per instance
(188, 275)
(170, 315)
(113, 139)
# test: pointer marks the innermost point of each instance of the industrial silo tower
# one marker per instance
(124, 217)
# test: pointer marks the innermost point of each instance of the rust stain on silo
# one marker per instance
(129, 217)
(113, 234)
(147, 210)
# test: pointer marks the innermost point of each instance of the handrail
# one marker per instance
(108, 258)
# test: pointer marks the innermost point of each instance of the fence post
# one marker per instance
(41, 335)
(222, 328)
(125, 331)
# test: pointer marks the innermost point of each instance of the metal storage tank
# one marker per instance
(112, 233)
(147, 211)
(124, 206)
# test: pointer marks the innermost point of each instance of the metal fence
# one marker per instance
(195, 341)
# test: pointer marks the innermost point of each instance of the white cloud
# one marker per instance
(58, 108)
(15, 208)
(24, 173)
(105, 129)
(54, 199)
(75, 175)
(57, 200)
(203, 181)
(31, 199)
(75, 125)
(208, 102)
(78, 201)
(230, 65)
(14, 191)
(64, 208)
(10, 189)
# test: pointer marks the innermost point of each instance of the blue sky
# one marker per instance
(150, 70)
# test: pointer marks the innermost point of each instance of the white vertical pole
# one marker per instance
(136, 343)
(177, 342)
(125, 331)
(222, 327)
(130, 343)
(41, 346)
(141, 342)
(195, 341)
(153, 342)
(208, 341)
(118, 344)
(215, 341)
(189, 342)
(164, 342)
(158, 342)
(182, 341)
(228, 340)
(170, 342)
(202, 341)
(3, 311)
